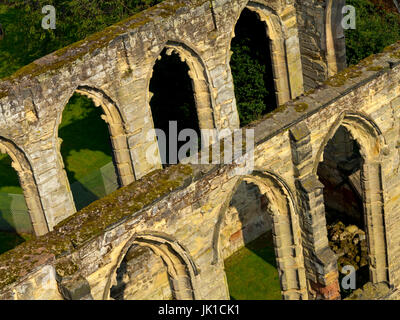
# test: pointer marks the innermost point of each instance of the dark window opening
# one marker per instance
(173, 100)
(340, 173)
(251, 66)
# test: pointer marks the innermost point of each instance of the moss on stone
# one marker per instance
(311, 91)
(66, 267)
(301, 107)
(76, 51)
(3, 94)
(90, 222)
(341, 78)
(395, 55)
(375, 68)
(367, 61)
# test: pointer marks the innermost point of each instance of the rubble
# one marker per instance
(350, 245)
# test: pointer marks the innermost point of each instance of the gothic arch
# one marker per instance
(286, 231)
(28, 183)
(276, 35)
(113, 117)
(200, 77)
(363, 129)
(372, 147)
(181, 267)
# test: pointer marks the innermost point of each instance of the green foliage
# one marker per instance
(250, 89)
(9, 182)
(252, 69)
(25, 40)
(251, 272)
(375, 29)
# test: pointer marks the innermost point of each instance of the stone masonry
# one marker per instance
(185, 215)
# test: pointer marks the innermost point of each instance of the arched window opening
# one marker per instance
(87, 151)
(251, 66)
(15, 223)
(142, 275)
(172, 100)
(247, 246)
(341, 174)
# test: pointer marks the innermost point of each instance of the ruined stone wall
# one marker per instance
(322, 42)
(114, 68)
(187, 215)
(179, 213)
(142, 276)
(245, 220)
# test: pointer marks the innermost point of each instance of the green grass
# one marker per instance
(252, 272)
(86, 141)
(9, 240)
(85, 148)
(9, 182)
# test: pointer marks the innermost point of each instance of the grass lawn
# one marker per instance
(252, 273)
(9, 182)
(85, 148)
(10, 240)
(86, 142)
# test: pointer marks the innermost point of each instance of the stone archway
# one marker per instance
(28, 183)
(372, 146)
(286, 67)
(200, 78)
(285, 228)
(116, 127)
(182, 271)
(115, 122)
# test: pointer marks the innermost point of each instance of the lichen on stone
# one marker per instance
(375, 68)
(341, 78)
(90, 222)
(301, 107)
(66, 267)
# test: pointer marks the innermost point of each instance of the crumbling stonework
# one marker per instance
(182, 214)
(114, 68)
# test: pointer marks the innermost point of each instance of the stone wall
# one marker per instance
(322, 41)
(245, 220)
(179, 213)
(142, 275)
(191, 217)
(114, 68)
